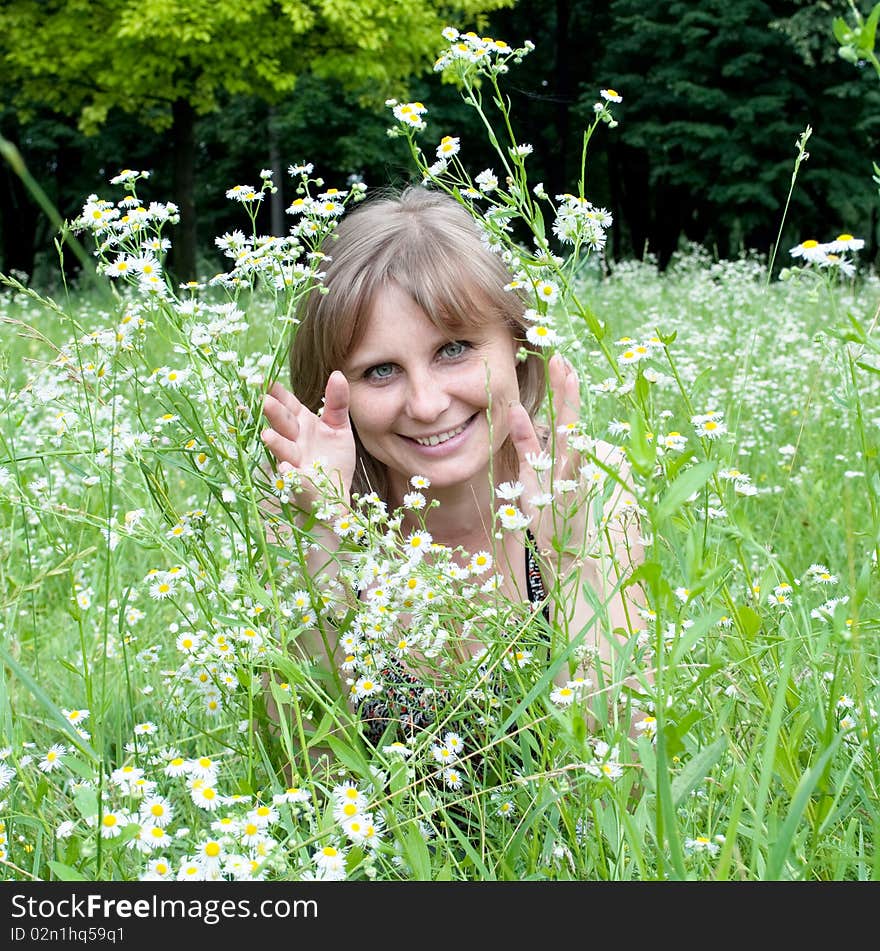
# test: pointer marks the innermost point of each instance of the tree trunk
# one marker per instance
(18, 219)
(563, 93)
(276, 202)
(184, 237)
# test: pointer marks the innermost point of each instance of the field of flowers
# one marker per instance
(157, 718)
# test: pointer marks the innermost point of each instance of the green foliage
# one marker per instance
(714, 95)
(143, 56)
(857, 40)
(713, 100)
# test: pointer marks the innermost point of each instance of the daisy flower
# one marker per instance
(418, 542)
(845, 242)
(365, 687)
(330, 861)
(510, 491)
(157, 870)
(263, 815)
(203, 768)
(449, 146)
(414, 501)
(205, 797)
(155, 837)
(512, 518)
(409, 113)
(487, 181)
(443, 754)
(563, 696)
(709, 425)
(52, 760)
(540, 335)
(546, 291)
(348, 792)
(7, 774)
(112, 823)
(810, 251)
(539, 461)
(453, 778)
(158, 810)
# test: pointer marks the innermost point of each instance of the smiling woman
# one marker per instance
(413, 361)
(422, 247)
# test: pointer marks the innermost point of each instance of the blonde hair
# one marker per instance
(427, 244)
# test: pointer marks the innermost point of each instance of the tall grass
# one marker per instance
(142, 584)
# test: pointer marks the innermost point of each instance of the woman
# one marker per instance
(409, 363)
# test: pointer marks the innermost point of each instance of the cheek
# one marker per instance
(364, 409)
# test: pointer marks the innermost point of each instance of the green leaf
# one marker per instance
(639, 450)
(689, 482)
(416, 854)
(869, 30)
(348, 756)
(689, 636)
(749, 620)
(696, 770)
(65, 873)
(782, 845)
(868, 367)
(842, 32)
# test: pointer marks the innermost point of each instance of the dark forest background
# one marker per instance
(716, 93)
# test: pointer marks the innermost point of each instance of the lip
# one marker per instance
(442, 447)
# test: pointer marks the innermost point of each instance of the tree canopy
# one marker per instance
(715, 95)
(167, 61)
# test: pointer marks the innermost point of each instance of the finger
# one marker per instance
(336, 400)
(566, 412)
(284, 450)
(285, 397)
(525, 440)
(281, 418)
(565, 386)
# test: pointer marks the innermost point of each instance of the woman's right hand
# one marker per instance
(297, 438)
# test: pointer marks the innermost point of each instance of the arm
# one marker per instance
(586, 555)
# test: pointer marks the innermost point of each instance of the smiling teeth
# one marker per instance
(436, 440)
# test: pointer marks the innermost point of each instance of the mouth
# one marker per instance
(438, 439)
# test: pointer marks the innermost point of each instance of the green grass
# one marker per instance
(734, 734)
(764, 763)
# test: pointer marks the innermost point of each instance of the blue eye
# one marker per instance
(382, 371)
(455, 348)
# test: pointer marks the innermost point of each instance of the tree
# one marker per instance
(715, 98)
(168, 61)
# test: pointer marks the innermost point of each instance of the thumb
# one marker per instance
(336, 401)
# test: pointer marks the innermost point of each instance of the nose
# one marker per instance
(426, 397)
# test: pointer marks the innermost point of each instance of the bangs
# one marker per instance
(456, 291)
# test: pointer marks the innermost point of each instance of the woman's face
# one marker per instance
(421, 399)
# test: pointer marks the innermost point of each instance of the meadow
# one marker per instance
(157, 721)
